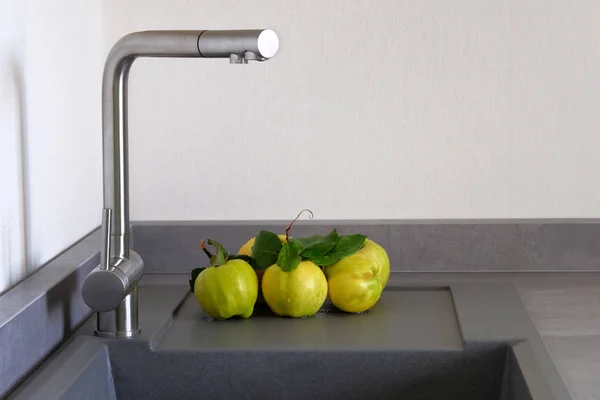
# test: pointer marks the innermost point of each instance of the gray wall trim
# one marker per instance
(39, 313)
(422, 246)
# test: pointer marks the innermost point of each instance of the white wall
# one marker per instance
(12, 253)
(372, 109)
(50, 156)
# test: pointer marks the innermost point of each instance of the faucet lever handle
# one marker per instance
(106, 228)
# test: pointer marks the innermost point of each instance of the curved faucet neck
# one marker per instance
(115, 122)
(237, 45)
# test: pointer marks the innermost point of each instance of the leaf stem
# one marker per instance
(203, 246)
(287, 228)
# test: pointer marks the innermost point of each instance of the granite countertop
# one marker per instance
(565, 307)
(559, 281)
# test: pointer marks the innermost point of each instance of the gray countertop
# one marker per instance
(564, 306)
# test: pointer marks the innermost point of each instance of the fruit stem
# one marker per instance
(203, 246)
(287, 228)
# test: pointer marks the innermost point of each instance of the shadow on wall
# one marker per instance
(15, 234)
(24, 172)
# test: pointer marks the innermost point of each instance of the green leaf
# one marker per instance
(221, 257)
(317, 250)
(344, 247)
(195, 273)
(266, 249)
(316, 239)
(289, 257)
(317, 245)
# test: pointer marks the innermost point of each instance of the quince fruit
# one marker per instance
(228, 288)
(357, 281)
(299, 292)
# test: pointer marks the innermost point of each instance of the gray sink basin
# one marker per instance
(132, 371)
(459, 342)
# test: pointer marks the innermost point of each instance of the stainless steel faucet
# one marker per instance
(111, 288)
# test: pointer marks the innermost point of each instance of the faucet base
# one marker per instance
(129, 334)
(122, 322)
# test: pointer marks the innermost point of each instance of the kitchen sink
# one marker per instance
(133, 371)
(421, 342)
(438, 340)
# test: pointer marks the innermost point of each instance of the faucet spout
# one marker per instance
(115, 122)
(111, 288)
(262, 44)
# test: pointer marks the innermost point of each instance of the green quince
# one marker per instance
(226, 289)
(357, 281)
